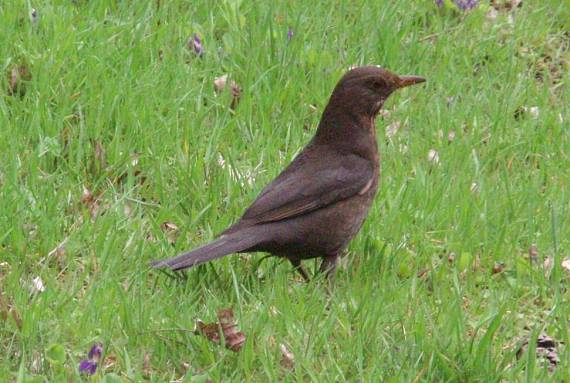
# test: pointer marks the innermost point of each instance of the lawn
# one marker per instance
(116, 149)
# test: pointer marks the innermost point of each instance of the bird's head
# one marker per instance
(363, 90)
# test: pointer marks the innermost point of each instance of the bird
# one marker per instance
(319, 202)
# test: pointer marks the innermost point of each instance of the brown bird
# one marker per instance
(319, 202)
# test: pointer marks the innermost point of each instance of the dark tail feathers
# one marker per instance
(225, 245)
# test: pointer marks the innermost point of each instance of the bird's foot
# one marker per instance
(297, 266)
(328, 266)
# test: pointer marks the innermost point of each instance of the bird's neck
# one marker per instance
(348, 131)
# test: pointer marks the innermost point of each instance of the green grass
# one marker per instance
(417, 302)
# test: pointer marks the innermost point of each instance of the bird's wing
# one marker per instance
(309, 184)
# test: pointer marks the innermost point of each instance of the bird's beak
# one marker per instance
(410, 80)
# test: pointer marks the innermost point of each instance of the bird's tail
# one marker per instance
(225, 245)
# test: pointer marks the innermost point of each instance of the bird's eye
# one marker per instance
(377, 85)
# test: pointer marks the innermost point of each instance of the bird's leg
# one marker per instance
(328, 266)
(297, 266)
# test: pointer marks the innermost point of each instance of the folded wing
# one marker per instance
(307, 185)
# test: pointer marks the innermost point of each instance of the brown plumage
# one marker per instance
(319, 202)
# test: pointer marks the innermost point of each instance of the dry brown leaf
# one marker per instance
(433, 156)
(146, 370)
(4, 309)
(7, 308)
(451, 136)
(59, 250)
(171, 231)
(498, 268)
(90, 201)
(393, 128)
(524, 111)
(37, 362)
(546, 348)
(58, 254)
(287, 357)
(169, 226)
(149, 237)
(99, 154)
(87, 197)
(209, 330)
(110, 361)
(16, 316)
(506, 5)
(533, 254)
(423, 273)
(37, 285)
(220, 84)
(132, 168)
(566, 264)
(547, 266)
(128, 209)
(234, 338)
(17, 77)
(474, 188)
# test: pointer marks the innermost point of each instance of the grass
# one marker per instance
(116, 103)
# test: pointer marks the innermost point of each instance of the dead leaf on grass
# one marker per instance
(451, 136)
(226, 328)
(566, 265)
(110, 361)
(524, 111)
(17, 77)
(37, 285)
(220, 84)
(533, 254)
(99, 158)
(171, 231)
(4, 309)
(498, 268)
(90, 201)
(287, 357)
(392, 129)
(7, 309)
(505, 5)
(433, 156)
(546, 348)
(146, 369)
(548, 265)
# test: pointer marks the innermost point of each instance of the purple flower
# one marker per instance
(464, 5)
(88, 367)
(96, 351)
(196, 44)
(289, 34)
